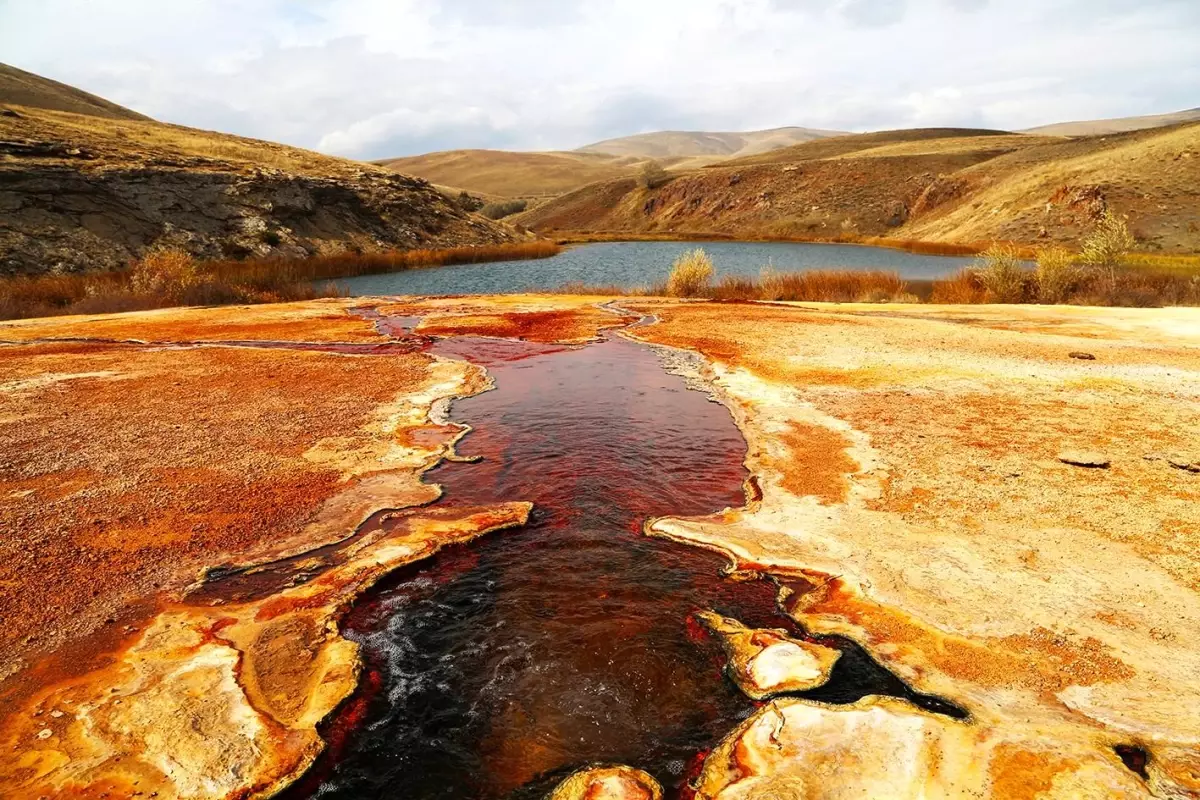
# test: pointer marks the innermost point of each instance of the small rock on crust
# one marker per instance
(1082, 356)
(1084, 458)
(608, 783)
(765, 662)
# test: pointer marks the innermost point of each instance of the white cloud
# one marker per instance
(375, 78)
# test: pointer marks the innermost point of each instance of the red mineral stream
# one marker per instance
(499, 666)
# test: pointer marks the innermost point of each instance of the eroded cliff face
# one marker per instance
(82, 193)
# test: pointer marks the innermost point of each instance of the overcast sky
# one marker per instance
(377, 78)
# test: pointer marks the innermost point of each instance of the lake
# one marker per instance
(643, 263)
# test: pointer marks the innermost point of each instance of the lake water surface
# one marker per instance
(643, 263)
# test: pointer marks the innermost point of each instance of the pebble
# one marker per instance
(1082, 356)
(1188, 463)
(45, 733)
(1084, 458)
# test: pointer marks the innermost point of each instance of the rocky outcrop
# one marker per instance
(59, 218)
(87, 193)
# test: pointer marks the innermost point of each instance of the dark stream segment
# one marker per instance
(497, 667)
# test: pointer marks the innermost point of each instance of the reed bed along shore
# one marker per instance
(166, 277)
(1188, 263)
(1000, 275)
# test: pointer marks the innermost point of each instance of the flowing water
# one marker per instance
(642, 263)
(498, 666)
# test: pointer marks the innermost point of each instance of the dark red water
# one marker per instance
(498, 666)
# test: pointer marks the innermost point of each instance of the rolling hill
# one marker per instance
(1098, 127)
(944, 185)
(513, 174)
(682, 144)
(83, 192)
(541, 175)
(21, 88)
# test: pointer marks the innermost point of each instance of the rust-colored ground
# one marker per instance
(127, 469)
(315, 321)
(911, 491)
(1048, 600)
(534, 318)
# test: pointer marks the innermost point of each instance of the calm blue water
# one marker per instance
(643, 263)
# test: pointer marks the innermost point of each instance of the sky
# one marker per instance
(383, 78)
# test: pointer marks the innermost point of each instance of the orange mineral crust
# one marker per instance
(1005, 526)
(128, 468)
(312, 321)
(564, 319)
(970, 550)
(220, 700)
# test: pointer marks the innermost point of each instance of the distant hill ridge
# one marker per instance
(1101, 127)
(681, 144)
(21, 88)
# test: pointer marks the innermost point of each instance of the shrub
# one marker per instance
(652, 175)
(468, 202)
(503, 208)
(1002, 274)
(1058, 276)
(165, 272)
(1106, 247)
(691, 274)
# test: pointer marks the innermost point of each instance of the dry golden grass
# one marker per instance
(166, 277)
(1058, 276)
(1139, 288)
(1005, 278)
(820, 286)
(691, 274)
(830, 286)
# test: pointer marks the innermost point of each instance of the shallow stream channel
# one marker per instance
(497, 667)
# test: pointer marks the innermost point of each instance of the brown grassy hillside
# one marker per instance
(938, 185)
(81, 193)
(1099, 127)
(511, 174)
(542, 175)
(21, 88)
